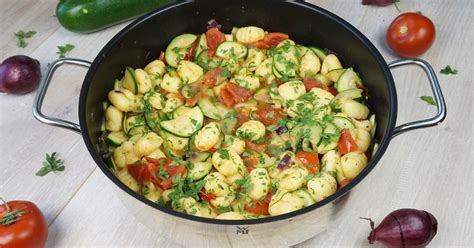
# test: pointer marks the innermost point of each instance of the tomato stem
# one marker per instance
(10, 217)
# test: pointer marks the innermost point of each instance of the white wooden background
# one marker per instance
(430, 169)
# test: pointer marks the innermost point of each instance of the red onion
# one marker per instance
(281, 130)
(377, 2)
(131, 113)
(19, 74)
(404, 228)
(213, 24)
(284, 162)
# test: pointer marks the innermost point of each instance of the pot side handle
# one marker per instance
(43, 87)
(438, 95)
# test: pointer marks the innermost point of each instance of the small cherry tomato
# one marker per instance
(411, 34)
(22, 225)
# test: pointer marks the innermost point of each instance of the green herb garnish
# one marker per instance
(224, 154)
(428, 99)
(21, 36)
(63, 50)
(448, 70)
(52, 164)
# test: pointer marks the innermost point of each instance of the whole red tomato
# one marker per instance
(411, 34)
(22, 225)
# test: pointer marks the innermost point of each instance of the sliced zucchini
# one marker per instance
(181, 110)
(342, 123)
(313, 136)
(305, 196)
(152, 119)
(116, 138)
(203, 60)
(199, 170)
(201, 44)
(209, 109)
(228, 125)
(302, 50)
(177, 48)
(174, 146)
(230, 49)
(199, 157)
(319, 52)
(117, 84)
(285, 60)
(138, 130)
(185, 125)
(334, 75)
(331, 62)
(346, 81)
(129, 81)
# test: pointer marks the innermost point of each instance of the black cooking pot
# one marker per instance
(141, 41)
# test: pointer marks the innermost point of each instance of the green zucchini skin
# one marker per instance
(87, 16)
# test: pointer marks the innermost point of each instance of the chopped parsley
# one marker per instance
(448, 70)
(225, 72)
(21, 36)
(428, 99)
(63, 50)
(224, 154)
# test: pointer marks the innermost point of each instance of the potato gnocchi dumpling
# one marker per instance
(250, 126)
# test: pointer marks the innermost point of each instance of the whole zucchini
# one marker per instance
(86, 16)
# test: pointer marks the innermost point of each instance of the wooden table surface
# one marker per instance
(429, 169)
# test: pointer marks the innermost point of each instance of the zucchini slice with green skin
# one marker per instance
(335, 74)
(129, 81)
(199, 170)
(209, 109)
(230, 49)
(352, 94)
(343, 123)
(203, 60)
(178, 47)
(313, 138)
(118, 84)
(174, 146)
(305, 196)
(199, 157)
(347, 80)
(185, 125)
(285, 60)
(201, 44)
(116, 138)
(319, 52)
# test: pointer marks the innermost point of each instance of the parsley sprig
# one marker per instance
(428, 99)
(63, 50)
(51, 164)
(21, 36)
(448, 70)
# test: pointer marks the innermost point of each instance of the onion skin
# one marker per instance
(19, 74)
(405, 228)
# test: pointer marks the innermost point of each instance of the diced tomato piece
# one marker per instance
(255, 147)
(332, 90)
(343, 183)
(191, 52)
(152, 160)
(269, 115)
(143, 172)
(162, 57)
(214, 38)
(212, 150)
(260, 207)
(197, 91)
(260, 44)
(273, 39)
(172, 171)
(240, 94)
(242, 116)
(207, 197)
(309, 160)
(210, 78)
(250, 162)
(346, 143)
(226, 97)
(365, 90)
(310, 83)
